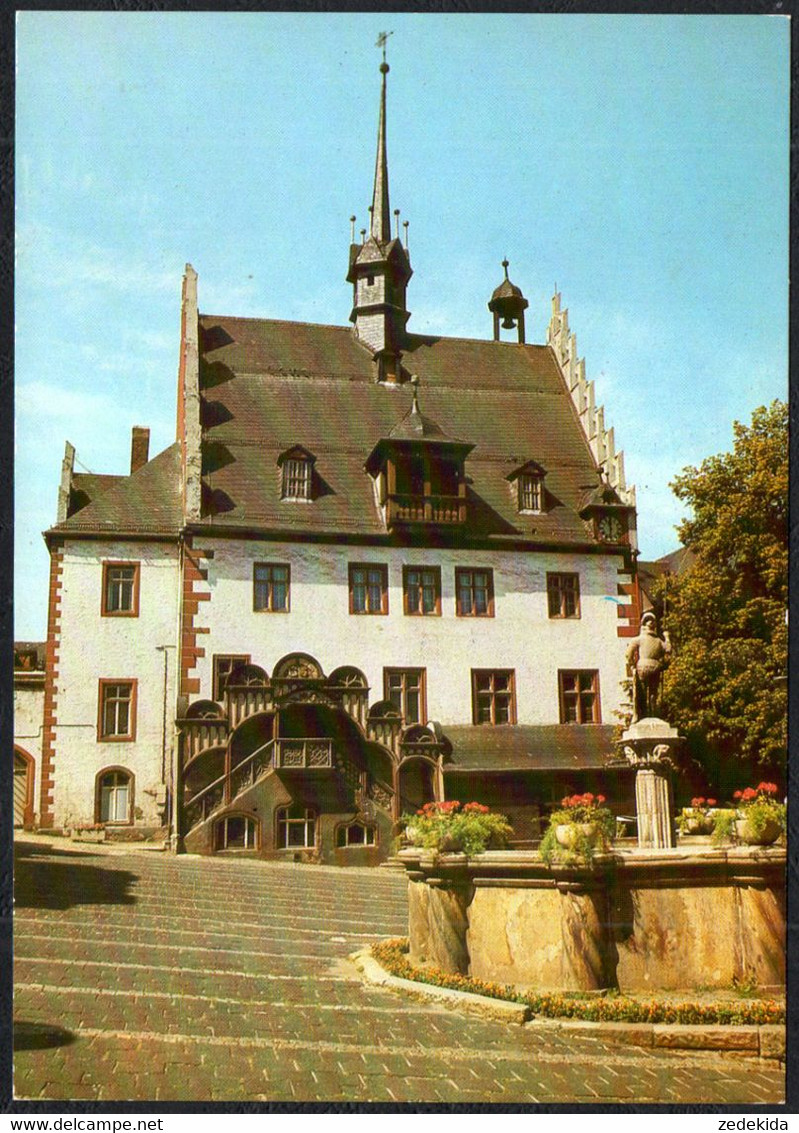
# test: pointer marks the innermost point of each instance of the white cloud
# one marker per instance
(46, 399)
(45, 259)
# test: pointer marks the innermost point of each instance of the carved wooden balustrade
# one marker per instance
(303, 754)
(408, 508)
(202, 734)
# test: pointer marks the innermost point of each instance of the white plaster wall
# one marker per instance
(28, 724)
(91, 647)
(28, 720)
(520, 636)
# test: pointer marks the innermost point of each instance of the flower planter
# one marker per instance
(751, 837)
(570, 834)
(88, 836)
(697, 825)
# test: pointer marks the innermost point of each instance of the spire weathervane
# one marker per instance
(381, 42)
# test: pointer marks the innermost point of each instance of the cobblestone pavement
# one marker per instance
(142, 976)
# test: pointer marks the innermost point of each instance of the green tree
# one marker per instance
(727, 614)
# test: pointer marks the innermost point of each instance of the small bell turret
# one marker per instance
(508, 304)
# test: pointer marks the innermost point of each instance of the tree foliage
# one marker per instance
(727, 614)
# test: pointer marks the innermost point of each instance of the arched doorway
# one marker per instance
(416, 784)
(24, 771)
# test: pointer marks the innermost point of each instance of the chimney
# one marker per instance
(139, 448)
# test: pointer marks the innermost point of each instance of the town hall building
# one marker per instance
(376, 568)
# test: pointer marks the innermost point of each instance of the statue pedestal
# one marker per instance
(653, 805)
(651, 745)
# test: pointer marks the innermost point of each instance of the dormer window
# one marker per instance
(297, 471)
(529, 479)
(530, 492)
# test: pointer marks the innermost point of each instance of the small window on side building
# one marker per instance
(120, 595)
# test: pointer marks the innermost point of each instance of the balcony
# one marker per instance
(303, 754)
(426, 509)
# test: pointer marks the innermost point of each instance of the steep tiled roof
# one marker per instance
(535, 747)
(147, 502)
(267, 385)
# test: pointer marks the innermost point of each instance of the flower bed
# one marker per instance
(757, 818)
(607, 1008)
(448, 827)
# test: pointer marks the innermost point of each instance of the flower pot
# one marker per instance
(745, 833)
(450, 845)
(569, 834)
(698, 824)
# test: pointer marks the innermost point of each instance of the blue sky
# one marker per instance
(639, 161)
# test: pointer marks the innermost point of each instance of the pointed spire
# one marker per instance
(381, 212)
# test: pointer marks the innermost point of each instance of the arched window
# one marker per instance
(356, 834)
(236, 832)
(114, 795)
(296, 827)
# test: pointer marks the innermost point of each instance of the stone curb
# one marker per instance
(482, 1005)
(766, 1041)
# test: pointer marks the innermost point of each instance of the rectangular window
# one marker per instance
(405, 688)
(224, 664)
(368, 588)
(493, 696)
(297, 480)
(296, 827)
(421, 587)
(120, 596)
(579, 696)
(117, 710)
(271, 585)
(563, 595)
(474, 590)
(529, 492)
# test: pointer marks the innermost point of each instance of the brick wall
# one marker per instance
(51, 686)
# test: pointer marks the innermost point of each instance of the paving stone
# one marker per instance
(176, 996)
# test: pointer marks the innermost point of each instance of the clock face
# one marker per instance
(610, 528)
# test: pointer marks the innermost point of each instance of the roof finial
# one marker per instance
(506, 265)
(405, 226)
(352, 230)
(414, 380)
(381, 212)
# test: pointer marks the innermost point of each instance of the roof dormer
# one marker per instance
(297, 472)
(528, 480)
(419, 472)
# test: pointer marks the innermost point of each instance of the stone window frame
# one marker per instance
(247, 819)
(311, 817)
(405, 671)
(269, 582)
(114, 769)
(417, 600)
(103, 698)
(382, 568)
(558, 594)
(460, 574)
(493, 696)
(578, 675)
(105, 606)
(367, 827)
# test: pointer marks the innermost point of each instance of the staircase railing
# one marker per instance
(203, 804)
